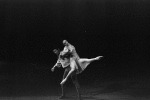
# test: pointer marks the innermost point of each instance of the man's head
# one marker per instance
(56, 51)
(65, 42)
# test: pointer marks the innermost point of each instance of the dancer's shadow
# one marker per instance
(114, 87)
(84, 98)
(92, 98)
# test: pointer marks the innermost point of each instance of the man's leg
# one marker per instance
(75, 81)
(63, 86)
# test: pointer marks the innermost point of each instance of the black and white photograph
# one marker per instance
(75, 50)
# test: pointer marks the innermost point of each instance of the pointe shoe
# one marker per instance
(98, 58)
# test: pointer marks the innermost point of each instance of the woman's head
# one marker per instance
(65, 42)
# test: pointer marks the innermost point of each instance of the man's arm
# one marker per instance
(53, 67)
(58, 64)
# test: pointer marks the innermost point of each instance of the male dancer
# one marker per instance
(77, 65)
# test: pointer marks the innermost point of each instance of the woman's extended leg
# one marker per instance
(84, 62)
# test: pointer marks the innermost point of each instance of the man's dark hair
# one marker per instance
(57, 52)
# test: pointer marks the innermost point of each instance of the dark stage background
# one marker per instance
(31, 29)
